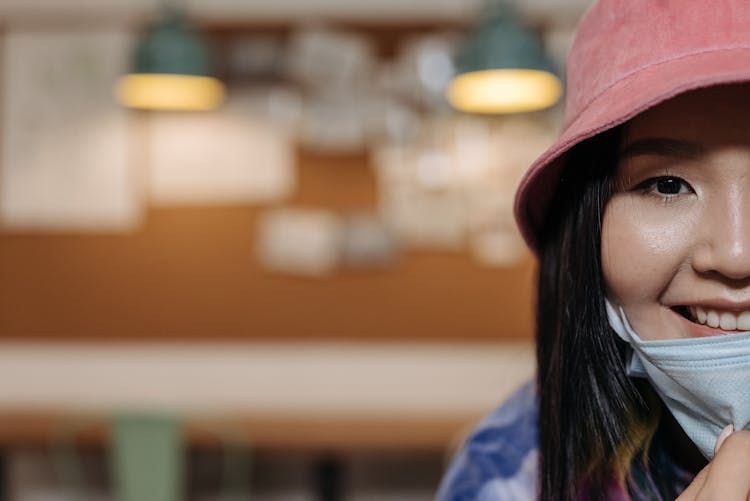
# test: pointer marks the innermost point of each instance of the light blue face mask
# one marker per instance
(705, 382)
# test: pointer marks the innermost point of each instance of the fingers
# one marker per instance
(727, 477)
(728, 430)
(696, 486)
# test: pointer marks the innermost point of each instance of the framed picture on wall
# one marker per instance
(66, 161)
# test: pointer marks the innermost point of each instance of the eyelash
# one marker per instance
(650, 187)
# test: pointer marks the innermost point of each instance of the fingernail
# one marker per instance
(723, 436)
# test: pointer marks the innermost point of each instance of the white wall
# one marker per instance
(299, 379)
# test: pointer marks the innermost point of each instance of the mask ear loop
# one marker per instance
(617, 320)
(619, 323)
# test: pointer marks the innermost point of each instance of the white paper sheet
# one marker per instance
(229, 156)
(66, 145)
(306, 242)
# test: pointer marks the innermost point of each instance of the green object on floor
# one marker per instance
(147, 458)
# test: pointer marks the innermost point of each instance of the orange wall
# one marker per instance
(191, 274)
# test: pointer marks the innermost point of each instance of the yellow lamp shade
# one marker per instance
(155, 91)
(504, 91)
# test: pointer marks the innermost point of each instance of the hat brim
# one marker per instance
(620, 102)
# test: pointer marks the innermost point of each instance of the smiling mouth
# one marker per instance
(718, 319)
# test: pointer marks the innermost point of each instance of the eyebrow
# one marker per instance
(665, 147)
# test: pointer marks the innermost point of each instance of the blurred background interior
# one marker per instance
(290, 272)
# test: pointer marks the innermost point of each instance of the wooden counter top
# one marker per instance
(312, 396)
(25, 429)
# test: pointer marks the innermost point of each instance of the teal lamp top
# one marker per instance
(502, 67)
(171, 69)
(171, 46)
(501, 41)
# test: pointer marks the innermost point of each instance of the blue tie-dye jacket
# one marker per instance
(499, 461)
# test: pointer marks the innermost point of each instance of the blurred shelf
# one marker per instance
(315, 434)
(317, 382)
(298, 11)
(303, 396)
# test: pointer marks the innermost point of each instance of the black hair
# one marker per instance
(593, 419)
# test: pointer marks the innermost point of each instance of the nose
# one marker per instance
(724, 243)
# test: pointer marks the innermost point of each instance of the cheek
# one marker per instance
(644, 244)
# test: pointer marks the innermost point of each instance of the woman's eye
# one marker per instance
(666, 185)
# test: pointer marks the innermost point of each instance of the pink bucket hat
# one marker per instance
(629, 55)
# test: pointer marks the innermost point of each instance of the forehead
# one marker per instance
(713, 116)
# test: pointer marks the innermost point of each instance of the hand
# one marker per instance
(727, 476)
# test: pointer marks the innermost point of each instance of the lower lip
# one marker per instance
(700, 330)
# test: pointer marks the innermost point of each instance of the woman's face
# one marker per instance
(676, 235)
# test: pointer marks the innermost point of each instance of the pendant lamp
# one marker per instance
(171, 69)
(503, 68)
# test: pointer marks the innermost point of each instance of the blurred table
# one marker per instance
(24, 429)
(316, 396)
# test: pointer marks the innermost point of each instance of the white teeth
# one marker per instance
(725, 320)
(700, 313)
(712, 318)
(743, 321)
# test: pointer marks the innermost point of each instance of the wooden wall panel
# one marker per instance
(191, 274)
